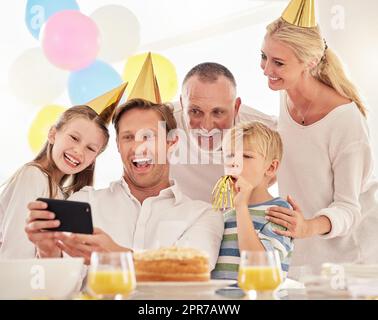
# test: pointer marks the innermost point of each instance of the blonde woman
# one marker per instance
(327, 165)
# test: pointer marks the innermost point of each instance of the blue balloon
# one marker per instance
(91, 82)
(38, 11)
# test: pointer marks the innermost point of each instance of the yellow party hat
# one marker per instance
(146, 85)
(105, 104)
(300, 13)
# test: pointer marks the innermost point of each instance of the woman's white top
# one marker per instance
(327, 168)
(29, 184)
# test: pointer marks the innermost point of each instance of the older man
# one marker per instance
(208, 106)
(144, 209)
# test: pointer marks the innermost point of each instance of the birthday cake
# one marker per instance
(172, 264)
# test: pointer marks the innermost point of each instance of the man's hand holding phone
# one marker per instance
(82, 245)
(54, 232)
(38, 221)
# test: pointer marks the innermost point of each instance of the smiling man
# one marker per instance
(144, 209)
(208, 107)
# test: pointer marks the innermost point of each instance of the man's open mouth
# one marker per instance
(142, 162)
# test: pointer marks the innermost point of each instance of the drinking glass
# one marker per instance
(111, 275)
(260, 274)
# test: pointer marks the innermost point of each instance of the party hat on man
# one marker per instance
(300, 13)
(105, 104)
(146, 85)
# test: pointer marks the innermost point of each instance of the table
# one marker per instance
(291, 290)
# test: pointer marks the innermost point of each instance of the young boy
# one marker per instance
(253, 164)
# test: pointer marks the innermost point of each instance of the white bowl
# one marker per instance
(40, 278)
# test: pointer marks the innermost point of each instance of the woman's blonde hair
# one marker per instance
(69, 183)
(308, 44)
(261, 138)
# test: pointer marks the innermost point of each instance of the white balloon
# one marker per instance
(34, 80)
(119, 31)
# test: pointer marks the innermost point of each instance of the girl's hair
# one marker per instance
(73, 183)
(308, 44)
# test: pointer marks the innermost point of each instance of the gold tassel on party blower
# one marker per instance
(223, 194)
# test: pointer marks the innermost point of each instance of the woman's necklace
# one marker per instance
(302, 115)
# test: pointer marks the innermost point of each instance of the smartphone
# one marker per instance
(74, 216)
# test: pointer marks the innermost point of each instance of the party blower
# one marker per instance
(223, 193)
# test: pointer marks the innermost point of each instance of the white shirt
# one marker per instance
(198, 180)
(327, 168)
(28, 184)
(170, 218)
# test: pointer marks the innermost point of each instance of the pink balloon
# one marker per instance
(70, 40)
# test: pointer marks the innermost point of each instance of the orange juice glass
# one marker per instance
(111, 275)
(260, 274)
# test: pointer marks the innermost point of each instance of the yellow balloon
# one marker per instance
(41, 124)
(164, 70)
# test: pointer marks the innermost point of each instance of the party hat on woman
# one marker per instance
(300, 13)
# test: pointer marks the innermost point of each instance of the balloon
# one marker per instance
(164, 70)
(119, 30)
(87, 84)
(37, 12)
(41, 125)
(70, 40)
(34, 80)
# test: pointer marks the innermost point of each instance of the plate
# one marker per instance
(291, 284)
(187, 287)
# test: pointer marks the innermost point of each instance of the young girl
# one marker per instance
(64, 165)
(252, 164)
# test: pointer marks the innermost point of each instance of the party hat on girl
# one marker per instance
(105, 104)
